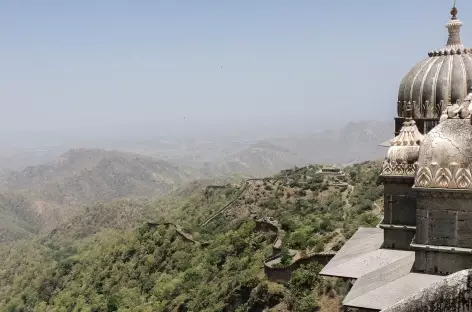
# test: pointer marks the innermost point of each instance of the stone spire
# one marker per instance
(404, 149)
(453, 27)
(409, 134)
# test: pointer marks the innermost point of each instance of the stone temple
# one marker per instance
(419, 256)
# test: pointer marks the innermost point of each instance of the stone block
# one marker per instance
(422, 226)
(442, 228)
(441, 263)
(398, 239)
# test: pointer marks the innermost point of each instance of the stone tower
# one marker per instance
(398, 172)
(443, 242)
(425, 237)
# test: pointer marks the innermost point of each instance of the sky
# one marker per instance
(115, 66)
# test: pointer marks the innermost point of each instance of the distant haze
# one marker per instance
(83, 70)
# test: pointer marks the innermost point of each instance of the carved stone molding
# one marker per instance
(443, 194)
(394, 168)
(459, 110)
(452, 177)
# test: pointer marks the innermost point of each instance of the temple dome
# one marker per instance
(445, 155)
(443, 77)
(404, 149)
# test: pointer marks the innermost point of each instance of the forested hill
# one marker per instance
(39, 198)
(125, 256)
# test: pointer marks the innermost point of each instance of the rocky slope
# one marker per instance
(56, 191)
(355, 142)
(260, 159)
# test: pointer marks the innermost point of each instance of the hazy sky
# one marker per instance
(91, 65)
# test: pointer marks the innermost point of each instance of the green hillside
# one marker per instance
(120, 256)
(51, 194)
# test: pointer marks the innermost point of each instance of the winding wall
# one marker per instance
(228, 205)
(274, 273)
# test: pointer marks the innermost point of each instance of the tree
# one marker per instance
(308, 303)
(285, 256)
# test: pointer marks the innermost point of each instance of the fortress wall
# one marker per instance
(399, 203)
(284, 274)
(441, 263)
(451, 294)
(265, 227)
(278, 274)
(185, 236)
(444, 221)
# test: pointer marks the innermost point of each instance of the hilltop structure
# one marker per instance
(335, 173)
(410, 261)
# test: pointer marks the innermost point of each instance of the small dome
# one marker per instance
(445, 156)
(404, 149)
(444, 77)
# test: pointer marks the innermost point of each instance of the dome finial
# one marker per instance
(453, 27)
(454, 11)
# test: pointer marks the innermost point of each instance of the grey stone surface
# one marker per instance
(450, 294)
(443, 263)
(446, 156)
(361, 255)
(398, 239)
(443, 239)
(380, 277)
(399, 203)
(363, 241)
(390, 293)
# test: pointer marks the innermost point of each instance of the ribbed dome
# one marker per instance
(444, 77)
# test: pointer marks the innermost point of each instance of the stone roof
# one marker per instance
(404, 149)
(388, 285)
(362, 254)
(441, 78)
(383, 276)
(451, 293)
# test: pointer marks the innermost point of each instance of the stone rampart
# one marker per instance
(283, 274)
(186, 236)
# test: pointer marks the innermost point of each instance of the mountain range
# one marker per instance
(50, 193)
(40, 197)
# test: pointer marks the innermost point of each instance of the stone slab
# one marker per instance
(367, 263)
(380, 277)
(362, 255)
(392, 292)
(364, 241)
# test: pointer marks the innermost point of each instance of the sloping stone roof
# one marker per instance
(450, 294)
(362, 254)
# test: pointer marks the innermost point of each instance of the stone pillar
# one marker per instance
(399, 222)
(443, 242)
(398, 175)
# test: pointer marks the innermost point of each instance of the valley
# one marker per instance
(143, 261)
(255, 222)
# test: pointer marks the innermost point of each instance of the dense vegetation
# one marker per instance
(108, 259)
